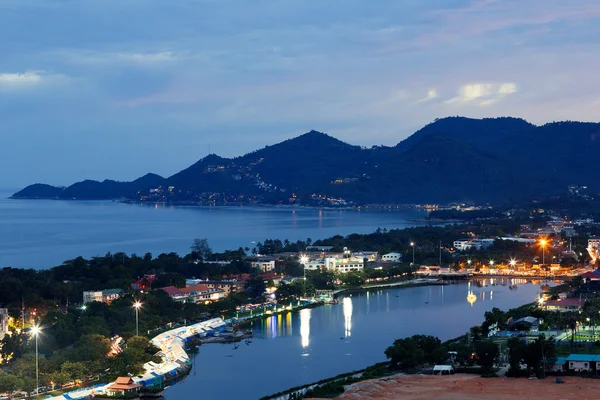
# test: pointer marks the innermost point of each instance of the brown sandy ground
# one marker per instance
(461, 387)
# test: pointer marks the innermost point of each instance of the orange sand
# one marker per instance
(460, 387)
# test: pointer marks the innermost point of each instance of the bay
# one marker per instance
(44, 233)
(302, 347)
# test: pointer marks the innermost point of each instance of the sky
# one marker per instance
(95, 89)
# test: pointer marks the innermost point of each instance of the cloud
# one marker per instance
(16, 80)
(484, 94)
(431, 94)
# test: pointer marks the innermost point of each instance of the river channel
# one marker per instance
(312, 344)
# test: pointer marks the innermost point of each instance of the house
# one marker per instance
(371, 256)
(532, 323)
(265, 264)
(228, 286)
(563, 305)
(591, 276)
(144, 282)
(102, 296)
(392, 257)
(276, 278)
(122, 386)
(4, 317)
(559, 365)
(582, 362)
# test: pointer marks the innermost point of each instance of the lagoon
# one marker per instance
(302, 347)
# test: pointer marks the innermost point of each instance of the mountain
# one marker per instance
(90, 190)
(452, 159)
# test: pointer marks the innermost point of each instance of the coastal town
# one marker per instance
(210, 297)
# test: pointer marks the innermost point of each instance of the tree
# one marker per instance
(201, 249)
(60, 378)
(487, 353)
(28, 385)
(516, 352)
(9, 384)
(414, 351)
(92, 347)
(75, 370)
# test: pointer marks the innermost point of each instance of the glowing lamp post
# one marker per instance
(304, 261)
(543, 244)
(137, 306)
(412, 244)
(35, 331)
(513, 263)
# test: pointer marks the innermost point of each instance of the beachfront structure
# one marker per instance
(123, 386)
(391, 257)
(563, 305)
(265, 264)
(101, 296)
(194, 294)
(3, 322)
(429, 270)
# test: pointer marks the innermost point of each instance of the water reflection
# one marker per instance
(305, 327)
(347, 307)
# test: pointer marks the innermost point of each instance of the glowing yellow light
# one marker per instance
(543, 242)
(137, 304)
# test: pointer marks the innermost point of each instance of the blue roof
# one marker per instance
(561, 360)
(583, 357)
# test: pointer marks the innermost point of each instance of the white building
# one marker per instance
(265, 264)
(3, 322)
(101, 296)
(335, 264)
(466, 244)
(391, 257)
(462, 244)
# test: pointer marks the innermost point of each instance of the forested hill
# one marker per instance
(453, 159)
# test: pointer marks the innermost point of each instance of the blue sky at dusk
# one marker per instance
(117, 88)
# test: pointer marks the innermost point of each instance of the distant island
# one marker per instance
(453, 159)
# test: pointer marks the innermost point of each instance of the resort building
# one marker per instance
(102, 296)
(194, 294)
(265, 264)
(335, 264)
(3, 322)
(391, 257)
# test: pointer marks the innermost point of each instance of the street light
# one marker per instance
(543, 243)
(412, 244)
(304, 261)
(513, 262)
(35, 331)
(137, 306)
